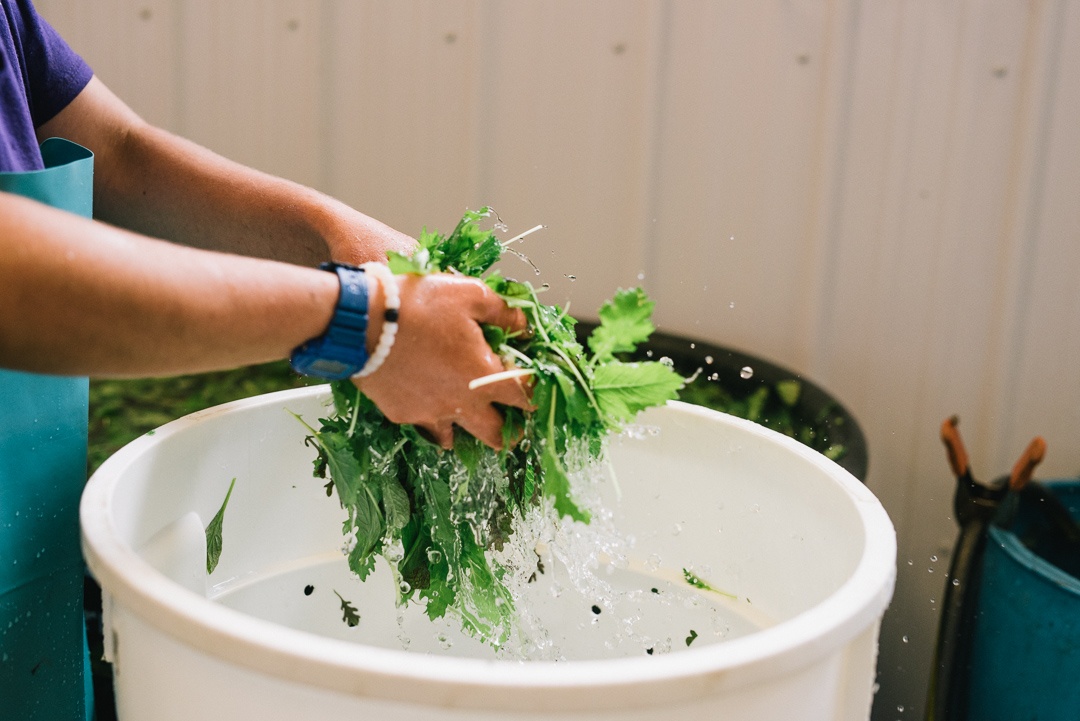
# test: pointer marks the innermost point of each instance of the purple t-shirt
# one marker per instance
(39, 76)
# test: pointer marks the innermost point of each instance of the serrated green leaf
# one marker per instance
(625, 389)
(368, 523)
(624, 323)
(349, 614)
(396, 503)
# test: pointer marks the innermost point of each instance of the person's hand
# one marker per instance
(439, 348)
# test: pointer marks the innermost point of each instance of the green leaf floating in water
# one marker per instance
(434, 516)
(349, 614)
(213, 533)
(696, 582)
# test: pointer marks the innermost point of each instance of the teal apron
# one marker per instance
(44, 672)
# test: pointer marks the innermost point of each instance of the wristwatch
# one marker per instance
(341, 350)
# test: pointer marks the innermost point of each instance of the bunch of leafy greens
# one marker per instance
(435, 515)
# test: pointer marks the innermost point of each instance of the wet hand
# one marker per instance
(439, 349)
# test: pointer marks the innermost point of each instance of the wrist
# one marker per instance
(341, 350)
(383, 316)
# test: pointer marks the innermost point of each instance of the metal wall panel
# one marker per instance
(879, 195)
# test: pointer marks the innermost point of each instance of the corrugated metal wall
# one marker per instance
(882, 195)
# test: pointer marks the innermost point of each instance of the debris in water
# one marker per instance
(309, 589)
(691, 637)
(596, 610)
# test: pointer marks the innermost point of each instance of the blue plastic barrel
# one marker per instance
(1025, 663)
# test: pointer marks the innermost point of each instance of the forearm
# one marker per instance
(157, 184)
(164, 186)
(84, 298)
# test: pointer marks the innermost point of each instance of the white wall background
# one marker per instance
(882, 195)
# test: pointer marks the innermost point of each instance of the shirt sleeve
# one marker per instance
(54, 73)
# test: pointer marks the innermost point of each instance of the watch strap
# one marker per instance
(341, 350)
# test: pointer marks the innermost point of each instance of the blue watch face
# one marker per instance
(324, 368)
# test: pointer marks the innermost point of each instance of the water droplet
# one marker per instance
(665, 361)
(956, 582)
(676, 529)
(693, 345)
(444, 640)
(731, 305)
(652, 563)
(905, 638)
(933, 558)
(405, 587)
(641, 276)
(571, 278)
(709, 359)
(732, 238)
(930, 570)
(746, 372)
(900, 708)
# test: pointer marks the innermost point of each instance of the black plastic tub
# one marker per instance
(752, 387)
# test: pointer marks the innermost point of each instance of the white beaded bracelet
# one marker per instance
(391, 306)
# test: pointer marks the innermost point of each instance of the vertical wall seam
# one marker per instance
(831, 159)
(480, 93)
(647, 250)
(1017, 266)
(327, 79)
(179, 35)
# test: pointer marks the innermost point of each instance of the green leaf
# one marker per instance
(696, 582)
(624, 389)
(691, 637)
(624, 323)
(557, 486)
(349, 614)
(755, 404)
(396, 503)
(789, 391)
(367, 521)
(213, 533)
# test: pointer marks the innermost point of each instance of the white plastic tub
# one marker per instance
(808, 551)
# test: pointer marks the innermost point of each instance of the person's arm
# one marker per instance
(80, 297)
(157, 184)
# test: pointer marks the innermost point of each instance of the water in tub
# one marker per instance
(582, 591)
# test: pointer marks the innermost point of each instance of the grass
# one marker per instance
(123, 410)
